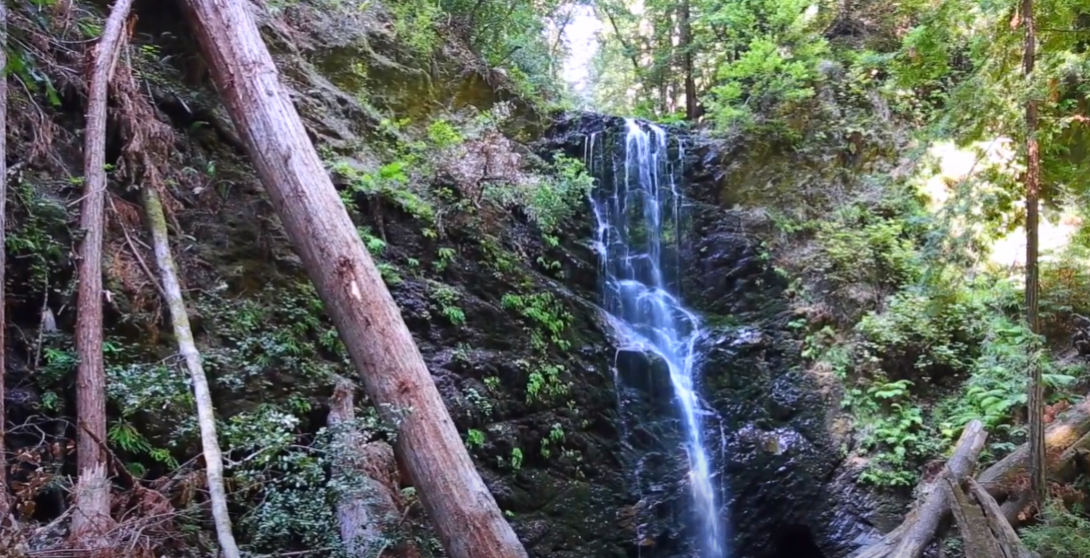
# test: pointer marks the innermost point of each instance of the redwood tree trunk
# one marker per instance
(686, 45)
(465, 515)
(1037, 463)
(91, 518)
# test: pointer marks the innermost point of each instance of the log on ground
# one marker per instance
(920, 525)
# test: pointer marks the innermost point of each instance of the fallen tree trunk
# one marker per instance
(1000, 527)
(206, 417)
(1001, 479)
(920, 525)
(1007, 479)
(464, 513)
(976, 536)
(91, 518)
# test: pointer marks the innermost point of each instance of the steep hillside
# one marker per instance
(476, 237)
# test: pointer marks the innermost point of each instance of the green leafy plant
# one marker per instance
(447, 298)
(475, 438)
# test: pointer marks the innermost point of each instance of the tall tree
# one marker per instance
(92, 501)
(206, 418)
(1038, 482)
(686, 46)
(463, 511)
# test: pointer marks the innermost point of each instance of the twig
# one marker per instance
(118, 465)
(135, 252)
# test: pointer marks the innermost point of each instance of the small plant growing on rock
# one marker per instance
(475, 438)
(447, 299)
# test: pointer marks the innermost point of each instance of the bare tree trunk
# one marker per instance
(206, 417)
(91, 518)
(369, 510)
(465, 515)
(934, 506)
(977, 539)
(686, 46)
(1037, 463)
(5, 506)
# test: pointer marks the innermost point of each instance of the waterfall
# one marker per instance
(637, 206)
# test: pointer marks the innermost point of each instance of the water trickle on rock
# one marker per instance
(638, 208)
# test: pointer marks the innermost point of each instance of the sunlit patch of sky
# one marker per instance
(581, 38)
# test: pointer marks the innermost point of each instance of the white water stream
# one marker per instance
(638, 228)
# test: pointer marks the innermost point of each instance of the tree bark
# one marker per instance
(206, 417)
(977, 539)
(465, 515)
(368, 511)
(686, 40)
(933, 507)
(1001, 528)
(1037, 462)
(920, 525)
(1065, 433)
(91, 518)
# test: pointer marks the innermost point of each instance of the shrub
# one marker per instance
(1061, 534)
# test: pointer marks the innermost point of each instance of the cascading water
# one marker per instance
(638, 210)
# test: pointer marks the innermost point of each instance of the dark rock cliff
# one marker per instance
(782, 460)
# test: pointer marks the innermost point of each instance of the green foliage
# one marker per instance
(474, 438)
(392, 182)
(281, 330)
(546, 322)
(860, 247)
(547, 316)
(554, 438)
(40, 239)
(893, 432)
(446, 298)
(442, 134)
(509, 35)
(287, 482)
(1065, 290)
(768, 78)
(545, 381)
(549, 205)
(550, 200)
(758, 61)
(1061, 533)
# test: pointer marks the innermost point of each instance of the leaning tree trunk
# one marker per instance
(1037, 481)
(1067, 431)
(465, 515)
(91, 518)
(206, 417)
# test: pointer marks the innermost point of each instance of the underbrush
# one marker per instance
(921, 335)
(1061, 533)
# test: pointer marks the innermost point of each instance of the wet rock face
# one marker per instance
(784, 470)
(788, 493)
